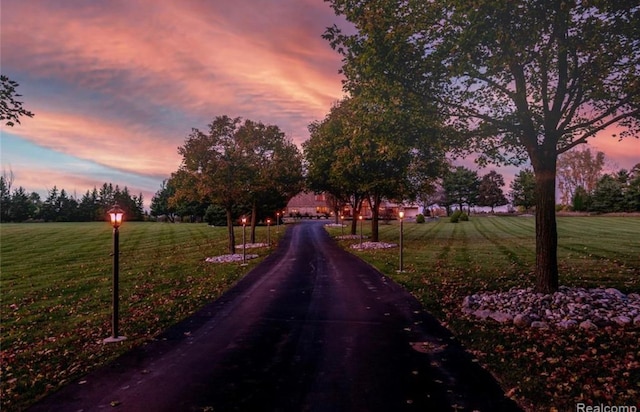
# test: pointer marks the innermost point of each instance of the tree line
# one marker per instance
(612, 192)
(18, 205)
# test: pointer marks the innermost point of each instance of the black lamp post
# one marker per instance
(244, 241)
(342, 223)
(116, 216)
(360, 218)
(269, 232)
(401, 216)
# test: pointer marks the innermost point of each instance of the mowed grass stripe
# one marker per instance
(518, 238)
(56, 294)
(593, 252)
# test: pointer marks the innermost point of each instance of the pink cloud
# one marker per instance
(100, 141)
(206, 58)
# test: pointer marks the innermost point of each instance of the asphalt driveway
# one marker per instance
(312, 328)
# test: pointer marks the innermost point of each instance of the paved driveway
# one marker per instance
(312, 328)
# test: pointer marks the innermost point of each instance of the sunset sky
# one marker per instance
(117, 86)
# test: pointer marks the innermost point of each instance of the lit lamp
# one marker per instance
(401, 216)
(244, 240)
(269, 232)
(360, 219)
(342, 223)
(277, 223)
(115, 216)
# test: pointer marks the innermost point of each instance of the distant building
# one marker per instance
(307, 204)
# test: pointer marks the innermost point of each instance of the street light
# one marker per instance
(269, 232)
(244, 241)
(115, 215)
(277, 223)
(360, 218)
(342, 223)
(401, 216)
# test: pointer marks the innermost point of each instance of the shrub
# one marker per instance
(455, 217)
(464, 217)
(215, 216)
(420, 218)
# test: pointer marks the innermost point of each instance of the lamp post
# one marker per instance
(401, 216)
(277, 223)
(360, 219)
(342, 223)
(269, 232)
(244, 241)
(115, 215)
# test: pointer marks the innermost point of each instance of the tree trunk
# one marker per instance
(356, 207)
(546, 228)
(354, 221)
(232, 236)
(254, 218)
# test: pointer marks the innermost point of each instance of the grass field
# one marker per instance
(543, 370)
(56, 298)
(56, 294)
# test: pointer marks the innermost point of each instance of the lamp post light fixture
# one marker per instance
(269, 232)
(116, 215)
(244, 241)
(401, 216)
(342, 223)
(360, 219)
(277, 223)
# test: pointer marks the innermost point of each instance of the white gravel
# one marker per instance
(236, 257)
(251, 246)
(373, 245)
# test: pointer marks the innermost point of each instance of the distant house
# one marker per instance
(308, 204)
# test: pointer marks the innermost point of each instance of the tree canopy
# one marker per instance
(512, 80)
(371, 149)
(237, 163)
(490, 190)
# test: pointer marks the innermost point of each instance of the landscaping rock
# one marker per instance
(588, 325)
(540, 325)
(567, 308)
(567, 324)
(521, 320)
(622, 320)
(501, 317)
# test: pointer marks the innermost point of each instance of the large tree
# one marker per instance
(490, 190)
(329, 160)
(237, 163)
(515, 79)
(276, 165)
(461, 187)
(215, 167)
(368, 148)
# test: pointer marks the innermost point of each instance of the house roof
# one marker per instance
(306, 199)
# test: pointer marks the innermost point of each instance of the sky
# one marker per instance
(117, 86)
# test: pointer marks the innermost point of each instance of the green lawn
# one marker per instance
(56, 297)
(56, 294)
(543, 370)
